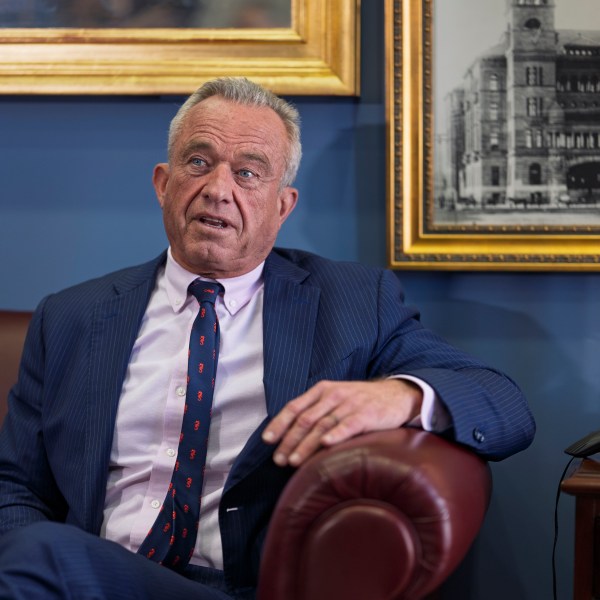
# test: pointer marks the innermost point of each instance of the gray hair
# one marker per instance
(246, 92)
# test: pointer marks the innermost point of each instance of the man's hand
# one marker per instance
(333, 411)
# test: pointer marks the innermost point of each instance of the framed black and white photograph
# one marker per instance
(173, 46)
(494, 134)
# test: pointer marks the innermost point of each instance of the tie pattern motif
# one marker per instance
(172, 538)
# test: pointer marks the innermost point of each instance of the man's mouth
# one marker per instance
(213, 222)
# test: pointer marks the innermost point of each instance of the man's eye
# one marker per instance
(246, 174)
(198, 162)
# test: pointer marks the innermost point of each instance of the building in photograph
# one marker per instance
(523, 127)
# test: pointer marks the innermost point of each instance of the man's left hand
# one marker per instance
(333, 411)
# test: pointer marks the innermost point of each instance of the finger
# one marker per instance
(306, 427)
(288, 415)
(295, 449)
(330, 430)
(352, 425)
(313, 420)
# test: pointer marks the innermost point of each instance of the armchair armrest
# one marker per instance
(387, 515)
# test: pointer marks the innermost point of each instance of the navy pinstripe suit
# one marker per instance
(322, 320)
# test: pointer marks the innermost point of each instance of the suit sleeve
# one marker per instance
(488, 410)
(28, 492)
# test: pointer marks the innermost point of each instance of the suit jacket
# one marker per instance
(322, 320)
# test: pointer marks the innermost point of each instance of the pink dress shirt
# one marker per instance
(151, 406)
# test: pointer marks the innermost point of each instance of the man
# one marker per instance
(307, 352)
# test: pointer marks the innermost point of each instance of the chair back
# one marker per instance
(13, 327)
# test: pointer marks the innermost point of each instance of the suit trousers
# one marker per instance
(52, 561)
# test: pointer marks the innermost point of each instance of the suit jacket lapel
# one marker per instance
(114, 328)
(289, 320)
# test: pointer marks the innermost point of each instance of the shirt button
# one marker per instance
(155, 504)
(170, 452)
(180, 391)
(233, 303)
(178, 301)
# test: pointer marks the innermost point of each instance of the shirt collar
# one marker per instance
(238, 290)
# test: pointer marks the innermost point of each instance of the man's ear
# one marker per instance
(160, 177)
(288, 197)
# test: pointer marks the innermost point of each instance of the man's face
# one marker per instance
(220, 193)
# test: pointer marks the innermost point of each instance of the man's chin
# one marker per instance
(210, 261)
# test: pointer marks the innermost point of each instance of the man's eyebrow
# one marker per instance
(206, 146)
(256, 157)
(196, 145)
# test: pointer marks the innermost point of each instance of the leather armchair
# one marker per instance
(384, 516)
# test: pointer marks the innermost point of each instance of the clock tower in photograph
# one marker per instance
(532, 173)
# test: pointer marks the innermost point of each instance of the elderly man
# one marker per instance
(161, 409)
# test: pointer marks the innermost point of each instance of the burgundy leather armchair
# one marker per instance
(384, 516)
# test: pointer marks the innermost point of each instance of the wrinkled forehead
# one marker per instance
(231, 123)
(233, 132)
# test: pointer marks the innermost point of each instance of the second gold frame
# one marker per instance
(415, 239)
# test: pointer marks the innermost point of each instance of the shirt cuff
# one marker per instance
(434, 415)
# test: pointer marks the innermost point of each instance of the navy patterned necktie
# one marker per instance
(172, 538)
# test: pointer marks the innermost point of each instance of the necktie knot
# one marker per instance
(205, 291)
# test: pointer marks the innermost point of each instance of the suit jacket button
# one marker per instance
(478, 435)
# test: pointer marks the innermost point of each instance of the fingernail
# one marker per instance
(295, 459)
(279, 459)
(268, 436)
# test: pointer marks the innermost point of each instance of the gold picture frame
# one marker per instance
(317, 55)
(415, 239)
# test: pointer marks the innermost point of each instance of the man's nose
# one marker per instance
(218, 184)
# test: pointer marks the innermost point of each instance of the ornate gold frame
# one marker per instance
(409, 60)
(319, 54)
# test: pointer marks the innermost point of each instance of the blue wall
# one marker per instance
(76, 201)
